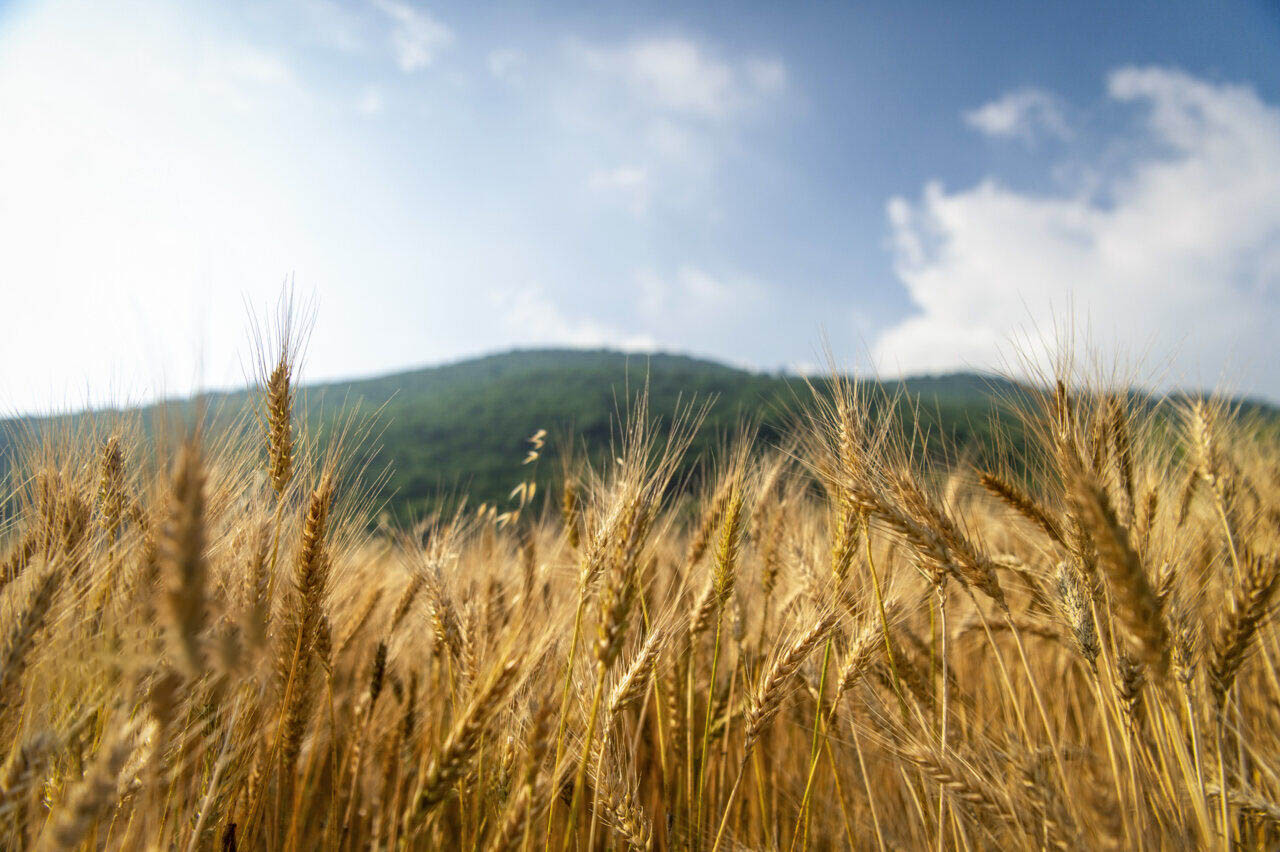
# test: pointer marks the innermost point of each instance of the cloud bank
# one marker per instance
(1177, 250)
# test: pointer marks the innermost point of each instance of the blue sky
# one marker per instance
(927, 185)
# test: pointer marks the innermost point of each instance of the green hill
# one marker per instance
(463, 428)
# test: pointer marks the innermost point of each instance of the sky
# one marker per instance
(919, 187)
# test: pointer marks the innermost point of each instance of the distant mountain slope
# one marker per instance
(462, 428)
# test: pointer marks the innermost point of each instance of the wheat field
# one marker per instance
(211, 642)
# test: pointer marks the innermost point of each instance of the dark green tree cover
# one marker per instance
(462, 429)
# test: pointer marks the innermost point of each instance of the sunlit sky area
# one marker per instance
(921, 184)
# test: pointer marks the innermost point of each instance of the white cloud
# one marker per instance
(706, 288)
(416, 37)
(691, 292)
(1178, 252)
(1022, 113)
(629, 183)
(676, 104)
(665, 307)
(678, 75)
(531, 317)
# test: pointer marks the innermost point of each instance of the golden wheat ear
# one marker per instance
(1133, 596)
(1251, 604)
(185, 569)
(765, 702)
(22, 637)
(280, 342)
(95, 794)
(1022, 503)
(463, 741)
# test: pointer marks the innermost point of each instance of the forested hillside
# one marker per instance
(463, 428)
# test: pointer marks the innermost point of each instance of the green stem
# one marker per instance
(884, 625)
(1195, 742)
(814, 755)
(580, 779)
(564, 707)
(728, 805)
(942, 734)
(706, 728)
(1223, 806)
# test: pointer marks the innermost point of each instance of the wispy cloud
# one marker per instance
(1023, 114)
(416, 36)
(683, 76)
(1179, 251)
(676, 105)
(531, 316)
(692, 292)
